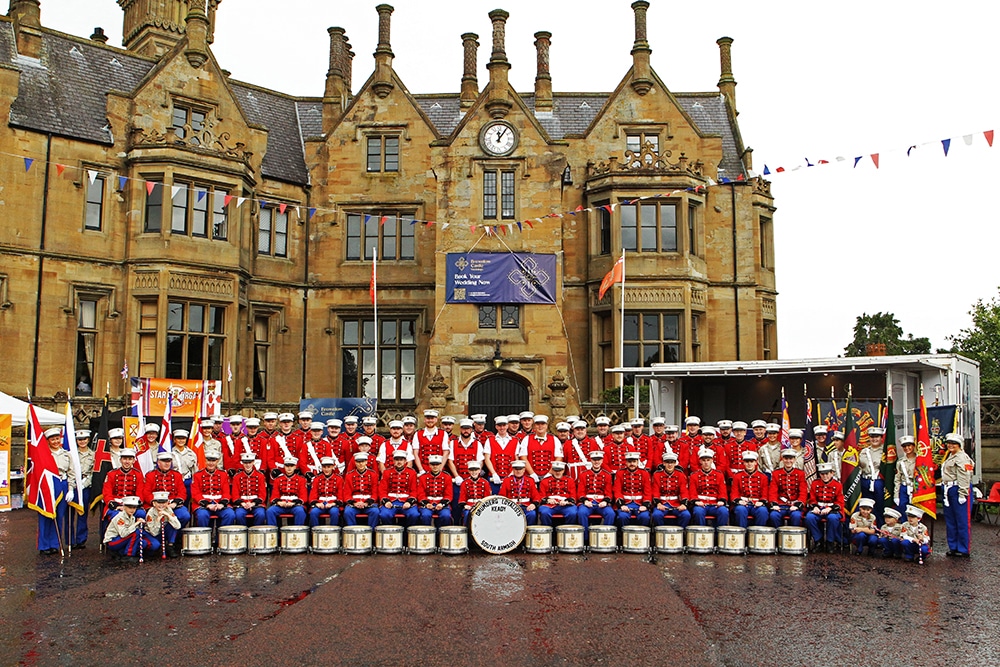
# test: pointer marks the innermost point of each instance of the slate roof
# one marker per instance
(708, 111)
(285, 159)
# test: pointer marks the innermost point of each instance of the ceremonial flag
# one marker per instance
(924, 492)
(40, 487)
(889, 453)
(373, 282)
(69, 444)
(102, 457)
(196, 441)
(615, 275)
(850, 473)
(808, 443)
(166, 430)
(786, 424)
(125, 370)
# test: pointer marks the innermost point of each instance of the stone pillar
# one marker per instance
(498, 103)
(557, 395)
(727, 84)
(642, 78)
(335, 92)
(197, 27)
(470, 84)
(382, 84)
(543, 80)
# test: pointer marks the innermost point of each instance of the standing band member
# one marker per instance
(50, 530)
(956, 479)
(83, 495)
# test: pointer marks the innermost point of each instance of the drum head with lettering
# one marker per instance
(498, 524)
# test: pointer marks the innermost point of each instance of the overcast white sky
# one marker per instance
(917, 237)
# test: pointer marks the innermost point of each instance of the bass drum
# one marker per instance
(498, 524)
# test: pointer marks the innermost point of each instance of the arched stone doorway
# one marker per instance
(498, 395)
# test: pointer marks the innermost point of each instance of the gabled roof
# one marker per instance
(710, 114)
(285, 159)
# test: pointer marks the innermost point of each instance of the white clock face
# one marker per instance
(498, 138)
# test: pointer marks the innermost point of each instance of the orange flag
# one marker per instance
(924, 492)
(613, 276)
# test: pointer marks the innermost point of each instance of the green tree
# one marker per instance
(981, 342)
(884, 328)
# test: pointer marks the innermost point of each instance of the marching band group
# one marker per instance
(267, 470)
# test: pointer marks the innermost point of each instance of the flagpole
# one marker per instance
(621, 336)
(375, 315)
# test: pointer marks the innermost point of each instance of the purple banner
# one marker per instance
(500, 277)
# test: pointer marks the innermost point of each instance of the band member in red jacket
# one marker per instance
(164, 478)
(670, 490)
(540, 448)
(707, 490)
(249, 492)
(558, 496)
(326, 496)
(210, 490)
(522, 490)
(123, 482)
(826, 501)
(398, 492)
(288, 495)
(633, 492)
(475, 487)
(690, 441)
(434, 493)
(360, 491)
(596, 489)
(750, 493)
(788, 492)
(499, 451)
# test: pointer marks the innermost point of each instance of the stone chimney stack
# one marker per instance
(99, 36)
(382, 84)
(727, 84)
(152, 28)
(543, 80)
(348, 67)
(498, 103)
(198, 29)
(336, 91)
(642, 79)
(27, 17)
(470, 84)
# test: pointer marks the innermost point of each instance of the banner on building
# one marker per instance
(149, 397)
(941, 420)
(500, 277)
(5, 424)
(338, 408)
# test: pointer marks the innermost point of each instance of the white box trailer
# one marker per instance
(748, 390)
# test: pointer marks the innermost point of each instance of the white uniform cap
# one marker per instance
(579, 424)
(205, 424)
(447, 419)
(795, 433)
(128, 451)
(669, 456)
(875, 430)
(708, 430)
(658, 420)
(161, 496)
(328, 461)
(360, 456)
(214, 455)
(954, 437)
(706, 453)
(749, 455)
(758, 423)
(151, 428)
(395, 423)
(351, 419)
(131, 501)
(572, 418)
(630, 456)
(334, 422)
(602, 420)
(218, 419)
(479, 419)
(116, 433)
(541, 419)
(739, 426)
(906, 440)
(82, 433)
(563, 426)
(618, 428)
(248, 457)
(866, 502)
(838, 435)
(317, 426)
(370, 421)
(824, 467)
(819, 430)
(513, 419)
(518, 464)
(558, 465)
(286, 417)
(363, 440)
(435, 459)
(431, 413)
(291, 461)
(235, 419)
(692, 420)
(725, 423)
(55, 430)
(465, 423)
(473, 465)
(597, 454)
(408, 419)
(888, 511)
(527, 414)
(164, 456)
(638, 421)
(305, 414)
(270, 415)
(501, 419)
(399, 454)
(914, 511)
(672, 428)
(253, 422)
(788, 453)
(772, 428)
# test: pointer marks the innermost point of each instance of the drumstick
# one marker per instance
(140, 542)
(163, 540)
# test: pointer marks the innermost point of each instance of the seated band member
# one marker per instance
(398, 492)
(864, 532)
(360, 488)
(707, 490)
(326, 495)
(670, 489)
(558, 496)
(788, 492)
(288, 495)
(522, 490)
(632, 492)
(826, 501)
(749, 493)
(125, 531)
(475, 487)
(210, 489)
(890, 538)
(164, 478)
(162, 523)
(249, 493)
(914, 535)
(595, 488)
(122, 482)
(434, 489)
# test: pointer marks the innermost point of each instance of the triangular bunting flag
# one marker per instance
(823, 162)
(780, 169)
(856, 161)
(841, 158)
(91, 176)
(875, 159)
(519, 228)
(472, 228)
(174, 189)
(312, 212)
(281, 208)
(201, 194)
(240, 200)
(909, 150)
(808, 163)
(150, 186)
(382, 220)
(121, 182)
(27, 163)
(367, 218)
(989, 137)
(740, 178)
(503, 229)
(725, 180)
(413, 222)
(443, 226)
(967, 138)
(946, 144)
(60, 168)
(226, 200)
(528, 222)
(264, 203)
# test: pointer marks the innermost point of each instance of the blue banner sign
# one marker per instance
(500, 277)
(338, 408)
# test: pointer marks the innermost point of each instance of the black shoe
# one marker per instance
(81, 545)
(173, 551)
(951, 552)
(961, 554)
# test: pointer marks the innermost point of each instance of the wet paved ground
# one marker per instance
(516, 609)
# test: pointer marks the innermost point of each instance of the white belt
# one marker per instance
(360, 496)
(212, 497)
(289, 499)
(249, 498)
(709, 498)
(519, 500)
(327, 499)
(825, 504)
(399, 496)
(669, 497)
(595, 496)
(632, 497)
(435, 498)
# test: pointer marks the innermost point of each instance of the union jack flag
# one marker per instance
(42, 470)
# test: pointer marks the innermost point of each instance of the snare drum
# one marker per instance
(792, 541)
(762, 540)
(569, 539)
(498, 524)
(263, 539)
(294, 539)
(603, 539)
(326, 539)
(421, 539)
(196, 541)
(389, 539)
(357, 539)
(539, 540)
(232, 540)
(700, 539)
(732, 540)
(669, 539)
(635, 539)
(454, 540)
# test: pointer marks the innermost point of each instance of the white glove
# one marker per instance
(961, 499)
(457, 480)
(895, 500)
(590, 466)
(69, 495)
(341, 467)
(495, 478)
(534, 476)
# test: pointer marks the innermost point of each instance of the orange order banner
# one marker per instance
(5, 423)
(187, 396)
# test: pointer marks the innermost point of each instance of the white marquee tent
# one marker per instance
(18, 410)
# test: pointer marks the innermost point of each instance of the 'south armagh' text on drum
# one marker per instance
(498, 524)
